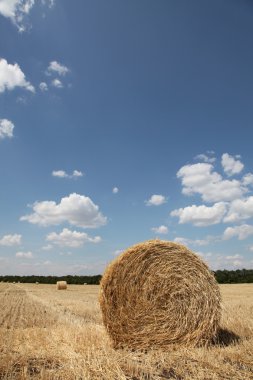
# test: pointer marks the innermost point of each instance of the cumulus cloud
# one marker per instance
(205, 158)
(12, 76)
(63, 174)
(56, 67)
(24, 255)
(77, 210)
(11, 240)
(241, 232)
(43, 86)
(6, 129)
(240, 209)
(73, 239)
(201, 215)
(231, 165)
(248, 179)
(156, 200)
(201, 179)
(160, 230)
(115, 190)
(57, 83)
(18, 10)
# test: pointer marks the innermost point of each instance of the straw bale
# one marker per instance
(61, 285)
(159, 293)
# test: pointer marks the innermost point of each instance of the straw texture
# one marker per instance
(61, 285)
(159, 293)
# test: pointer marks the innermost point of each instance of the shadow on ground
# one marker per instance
(226, 338)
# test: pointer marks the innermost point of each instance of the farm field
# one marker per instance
(50, 334)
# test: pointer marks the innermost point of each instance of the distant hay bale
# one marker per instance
(85, 283)
(61, 285)
(159, 293)
(14, 282)
(37, 283)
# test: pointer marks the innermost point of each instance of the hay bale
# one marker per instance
(61, 285)
(159, 293)
(37, 283)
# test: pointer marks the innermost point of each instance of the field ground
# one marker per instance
(50, 334)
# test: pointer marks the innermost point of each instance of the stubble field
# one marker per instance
(50, 334)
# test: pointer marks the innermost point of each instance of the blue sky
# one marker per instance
(122, 121)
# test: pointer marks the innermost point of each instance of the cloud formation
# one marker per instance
(242, 232)
(73, 239)
(12, 76)
(160, 230)
(24, 255)
(63, 174)
(56, 67)
(57, 83)
(231, 165)
(77, 210)
(201, 179)
(115, 190)
(11, 240)
(6, 129)
(156, 200)
(18, 10)
(43, 86)
(202, 215)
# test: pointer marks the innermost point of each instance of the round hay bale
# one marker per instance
(159, 293)
(61, 285)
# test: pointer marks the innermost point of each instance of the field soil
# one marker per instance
(50, 334)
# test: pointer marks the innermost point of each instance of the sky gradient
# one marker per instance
(122, 121)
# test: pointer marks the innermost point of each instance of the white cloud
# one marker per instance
(18, 10)
(248, 179)
(63, 174)
(201, 215)
(6, 128)
(57, 83)
(25, 255)
(205, 158)
(77, 210)
(233, 257)
(242, 232)
(197, 242)
(240, 209)
(59, 174)
(73, 239)
(156, 200)
(77, 173)
(160, 230)
(43, 86)
(56, 67)
(230, 165)
(115, 190)
(12, 76)
(201, 179)
(251, 248)
(11, 240)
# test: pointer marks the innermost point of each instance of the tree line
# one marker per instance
(238, 276)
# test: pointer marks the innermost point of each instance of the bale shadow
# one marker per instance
(225, 338)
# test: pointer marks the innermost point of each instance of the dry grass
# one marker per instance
(157, 293)
(46, 334)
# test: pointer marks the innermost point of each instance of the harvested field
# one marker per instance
(47, 334)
